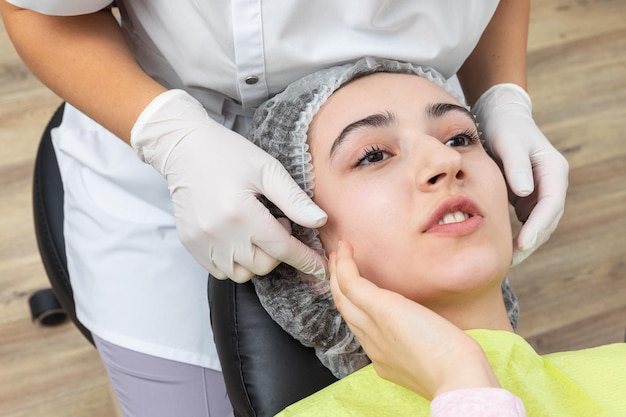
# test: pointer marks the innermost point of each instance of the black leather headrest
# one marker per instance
(265, 369)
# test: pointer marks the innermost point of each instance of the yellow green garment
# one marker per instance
(583, 383)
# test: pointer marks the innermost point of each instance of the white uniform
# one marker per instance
(134, 283)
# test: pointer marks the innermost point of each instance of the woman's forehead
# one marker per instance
(378, 93)
(385, 89)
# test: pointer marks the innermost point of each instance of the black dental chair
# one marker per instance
(265, 369)
(48, 216)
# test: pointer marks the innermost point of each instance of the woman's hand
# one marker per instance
(215, 177)
(535, 171)
(407, 343)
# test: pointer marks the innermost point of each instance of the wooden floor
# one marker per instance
(572, 292)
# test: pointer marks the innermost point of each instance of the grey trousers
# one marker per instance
(148, 386)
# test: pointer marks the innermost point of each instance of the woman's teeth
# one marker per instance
(456, 217)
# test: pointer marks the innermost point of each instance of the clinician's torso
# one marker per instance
(248, 50)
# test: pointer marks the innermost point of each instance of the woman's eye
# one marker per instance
(462, 140)
(372, 155)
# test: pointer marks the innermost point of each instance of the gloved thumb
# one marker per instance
(518, 171)
(278, 186)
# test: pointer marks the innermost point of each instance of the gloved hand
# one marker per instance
(535, 171)
(215, 176)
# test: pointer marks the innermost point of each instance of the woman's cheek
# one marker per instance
(327, 236)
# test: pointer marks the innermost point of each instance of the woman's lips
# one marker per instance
(457, 215)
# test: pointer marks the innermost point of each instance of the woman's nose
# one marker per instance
(440, 165)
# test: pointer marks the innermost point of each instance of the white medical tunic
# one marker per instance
(134, 283)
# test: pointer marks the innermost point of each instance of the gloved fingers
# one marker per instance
(192, 239)
(220, 276)
(240, 274)
(242, 263)
(320, 267)
(223, 266)
(547, 210)
(516, 164)
(278, 186)
(291, 251)
(255, 260)
(268, 242)
(273, 237)
(536, 173)
(213, 270)
(530, 240)
(540, 225)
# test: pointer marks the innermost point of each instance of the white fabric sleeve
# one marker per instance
(477, 402)
(62, 7)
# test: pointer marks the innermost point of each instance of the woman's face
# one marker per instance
(403, 177)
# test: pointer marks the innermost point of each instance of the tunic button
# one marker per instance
(252, 79)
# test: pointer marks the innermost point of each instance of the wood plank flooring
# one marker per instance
(43, 371)
(572, 291)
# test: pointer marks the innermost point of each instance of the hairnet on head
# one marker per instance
(302, 304)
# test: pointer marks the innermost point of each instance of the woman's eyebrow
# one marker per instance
(435, 110)
(374, 120)
(438, 110)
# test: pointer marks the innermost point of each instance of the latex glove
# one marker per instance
(215, 176)
(535, 171)
(407, 343)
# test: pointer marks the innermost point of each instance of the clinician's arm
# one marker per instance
(500, 55)
(494, 82)
(214, 175)
(86, 61)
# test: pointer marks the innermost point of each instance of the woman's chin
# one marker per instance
(460, 276)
